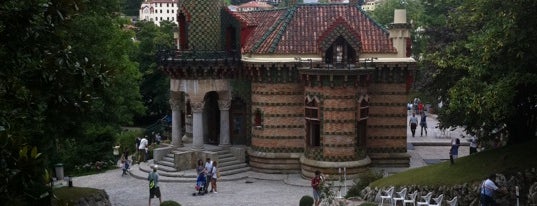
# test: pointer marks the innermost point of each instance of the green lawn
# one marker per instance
(468, 169)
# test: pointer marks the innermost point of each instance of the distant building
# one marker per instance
(370, 5)
(159, 10)
(254, 6)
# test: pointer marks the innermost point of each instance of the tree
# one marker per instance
(154, 87)
(66, 75)
(489, 55)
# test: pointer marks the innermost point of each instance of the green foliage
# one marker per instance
(131, 7)
(363, 180)
(67, 80)
(473, 168)
(23, 179)
(483, 68)
(306, 200)
(170, 203)
(154, 87)
(127, 140)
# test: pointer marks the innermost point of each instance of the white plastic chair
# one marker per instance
(452, 202)
(411, 199)
(438, 200)
(426, 199)
(388, 195)
(402, 196)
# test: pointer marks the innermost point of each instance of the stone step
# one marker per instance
(166, 163)
(227, 159)
(225, 155)
(232, 167)
(184, 176)
(167, 159)
(240, 170)
(228, 163)
(160, 168)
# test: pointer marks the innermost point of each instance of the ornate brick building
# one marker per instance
(309, 87)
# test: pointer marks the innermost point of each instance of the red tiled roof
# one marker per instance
(298, 30)
(255, 4)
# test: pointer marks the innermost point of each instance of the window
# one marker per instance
(340, 53)
(183, 35)
(313, 129)
(258, 117)
(361, 127)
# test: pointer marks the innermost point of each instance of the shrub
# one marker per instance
(127, 140)
(363, 181)
(306, 200)
(170, 203)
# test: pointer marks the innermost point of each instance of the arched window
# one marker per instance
(313, 129)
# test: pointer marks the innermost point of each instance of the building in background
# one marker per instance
(254, 6)
(370, 5)
(159, 10)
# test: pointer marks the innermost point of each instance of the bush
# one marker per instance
(127, 140)
(306, 200)
(170, 203)
(362, 182)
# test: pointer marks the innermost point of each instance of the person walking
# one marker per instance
(214, 177)
(454, 151)
(423, 123)
(316, 186)
(413, 123)
(488, 188)
(116, 153)
(154, 189)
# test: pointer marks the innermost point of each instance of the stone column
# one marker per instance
(197, 125)
(176, 104)
(224, 106)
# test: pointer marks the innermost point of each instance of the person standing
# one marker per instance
(423, 123)
(214, 177)
(413, 123)
(488, 188)
(454, 151)
(142, 149)
(473, 145)
(137, 154)
(316, 186)
(116, 153)
(154, 189)
(208, 170)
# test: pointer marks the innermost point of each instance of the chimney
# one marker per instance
(400, 33)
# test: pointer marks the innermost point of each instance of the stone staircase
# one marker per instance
(230, 168)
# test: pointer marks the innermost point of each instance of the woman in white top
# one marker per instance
(214, 177)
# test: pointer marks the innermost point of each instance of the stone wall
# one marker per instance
(386, 125)
(468, 193)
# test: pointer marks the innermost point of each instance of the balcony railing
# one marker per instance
(167, 56)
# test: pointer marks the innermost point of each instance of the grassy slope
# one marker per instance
(468, 169)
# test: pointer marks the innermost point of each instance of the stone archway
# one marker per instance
(211, 118)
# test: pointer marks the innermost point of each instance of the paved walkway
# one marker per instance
(261, 189)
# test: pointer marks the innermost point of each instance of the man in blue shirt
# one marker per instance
(488, 188)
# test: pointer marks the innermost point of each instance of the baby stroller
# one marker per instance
(200, 185)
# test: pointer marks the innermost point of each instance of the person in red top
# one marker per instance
(420, 108)
(316, 185)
